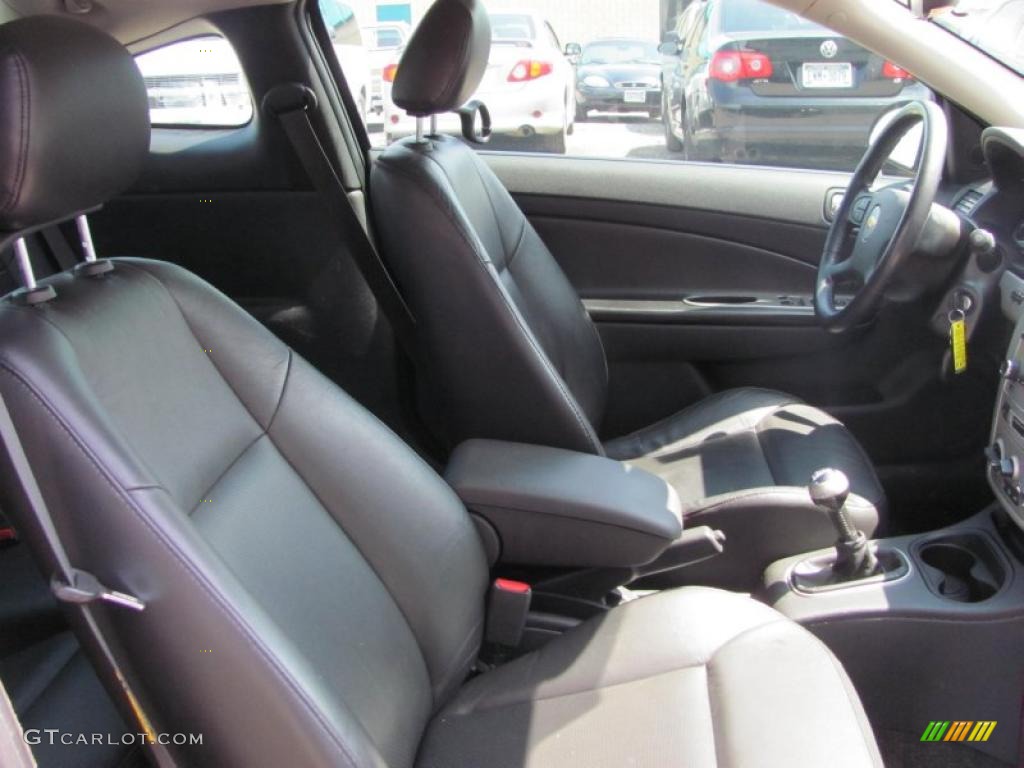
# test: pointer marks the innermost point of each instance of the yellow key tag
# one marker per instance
(958, 340)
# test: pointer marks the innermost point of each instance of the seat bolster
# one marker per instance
(660, 682)
(727, 412)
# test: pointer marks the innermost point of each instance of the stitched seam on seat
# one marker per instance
(588, 432)
(19, 174)
(195, 576)
(195, 336)
(565, 694)
(771, 622)
(231, 465)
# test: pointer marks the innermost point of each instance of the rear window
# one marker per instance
(620, 52)
(512, 26)
(196, 82)
(739, 16)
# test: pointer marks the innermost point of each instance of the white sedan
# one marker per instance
(528, 87)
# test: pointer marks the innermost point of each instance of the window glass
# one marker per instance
(196, 82)
(994, 26)
(723, 81)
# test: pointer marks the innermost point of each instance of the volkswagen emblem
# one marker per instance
(829, 49)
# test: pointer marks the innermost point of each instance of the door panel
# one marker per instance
(638, 238)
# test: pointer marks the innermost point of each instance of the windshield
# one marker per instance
(620, 52)
(511, 26)
(756, 16)
(994, 26)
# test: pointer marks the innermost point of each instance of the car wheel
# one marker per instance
(672, 142)
(581, 113)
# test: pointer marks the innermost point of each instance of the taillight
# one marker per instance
(895, 72)
(389, 72)
(529, 69)
(729, 66)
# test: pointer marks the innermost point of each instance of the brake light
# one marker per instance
(529, 69)
(389, 72)
(895, 72)
(730, 66)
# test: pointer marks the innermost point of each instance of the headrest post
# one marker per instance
(85, 235)
(419, 130)
(28, 277)
(433, 125)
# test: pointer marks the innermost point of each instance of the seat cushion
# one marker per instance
(689, 677)
(740, 461)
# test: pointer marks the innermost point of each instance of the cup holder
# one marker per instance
(964, 567)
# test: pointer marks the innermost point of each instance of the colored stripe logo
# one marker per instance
(958, 730)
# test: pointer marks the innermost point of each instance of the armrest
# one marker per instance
(554, 507)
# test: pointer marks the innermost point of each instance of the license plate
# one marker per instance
(635, 96)
(827, 75)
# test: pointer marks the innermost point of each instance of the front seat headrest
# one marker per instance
(445, 60)
(74, 120)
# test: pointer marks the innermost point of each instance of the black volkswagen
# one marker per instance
(618, 75)
(746, 81)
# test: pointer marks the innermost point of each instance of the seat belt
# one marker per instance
(291, 103)
(58, 247)
(72, 585)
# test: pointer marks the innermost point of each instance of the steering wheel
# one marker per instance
(874, 232)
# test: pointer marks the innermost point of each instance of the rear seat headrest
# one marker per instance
(74, 120)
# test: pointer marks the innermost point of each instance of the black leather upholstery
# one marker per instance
(192, 459)
(512, 354)
(740, 461)
(444, 61)
(71, 135)
(509, 353)
(314, 592)
(675, 662)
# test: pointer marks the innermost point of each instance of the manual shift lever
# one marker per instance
(855, 559)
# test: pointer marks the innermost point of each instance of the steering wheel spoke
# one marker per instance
(876, 230)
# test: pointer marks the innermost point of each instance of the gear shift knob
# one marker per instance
(829, 488)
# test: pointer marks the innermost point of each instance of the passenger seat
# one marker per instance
(314, 592)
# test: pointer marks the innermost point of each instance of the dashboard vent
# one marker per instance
(968, 201)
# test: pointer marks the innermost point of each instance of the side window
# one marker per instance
(196, 83)
(345, 27)
(754, 84)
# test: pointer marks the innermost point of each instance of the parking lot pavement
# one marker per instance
(626, 136)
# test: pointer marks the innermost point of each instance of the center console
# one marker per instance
(935, 630)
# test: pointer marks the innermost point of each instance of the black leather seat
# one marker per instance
(510, 353)
(314, 592)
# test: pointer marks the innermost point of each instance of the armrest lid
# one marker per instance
(531, 492)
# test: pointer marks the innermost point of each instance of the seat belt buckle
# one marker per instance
(86, 588)
(8, 536)
(507, 608)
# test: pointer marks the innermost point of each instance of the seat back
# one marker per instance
(313, 590)
(508, 351)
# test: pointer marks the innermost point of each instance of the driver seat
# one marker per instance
(507, 350)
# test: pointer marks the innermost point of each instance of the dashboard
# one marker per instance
(999, 207)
